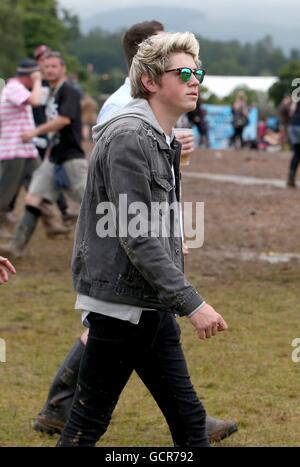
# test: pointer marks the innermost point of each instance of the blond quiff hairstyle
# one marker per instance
(153, 55)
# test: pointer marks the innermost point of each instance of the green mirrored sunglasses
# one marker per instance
(186, 73)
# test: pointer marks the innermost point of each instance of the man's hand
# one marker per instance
(187, 142)
(185, 249)
(36, 76)
(5, 267)
(208, 322)
(27, 137)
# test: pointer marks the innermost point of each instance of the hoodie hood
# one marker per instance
(137, 108)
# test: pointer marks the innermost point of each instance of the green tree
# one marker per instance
(102, 49)
(72, 27)
(41, 24)
(11, 38)
(234, 58)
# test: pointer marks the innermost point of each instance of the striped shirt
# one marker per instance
(15, 119)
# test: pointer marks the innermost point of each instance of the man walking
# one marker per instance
(56, 409)
(133, 284)
(18, 159)
(66, 167)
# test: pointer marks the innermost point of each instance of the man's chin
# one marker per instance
(191, 107)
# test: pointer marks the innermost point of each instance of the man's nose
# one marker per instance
(193, 81)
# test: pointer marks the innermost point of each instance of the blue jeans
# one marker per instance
(152, 348)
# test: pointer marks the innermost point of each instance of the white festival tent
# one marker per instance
(221, 86)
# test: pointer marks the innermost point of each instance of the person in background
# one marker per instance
(239, 119)
(18, 159)
(5, 268)
(53, 226)
(55, 412)
(294, 135)
(284, 112)
(66, 167)
(261, 133)
(39, 114)
(198, 117)
(89, 112)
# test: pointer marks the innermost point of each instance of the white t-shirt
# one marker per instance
(119, 99)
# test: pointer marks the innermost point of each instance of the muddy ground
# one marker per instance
(243, 220)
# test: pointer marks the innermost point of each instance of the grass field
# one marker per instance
(245, 374)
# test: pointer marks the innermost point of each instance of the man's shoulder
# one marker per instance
(68, 90)
(119, 131)
(15, 92)
(125, 124)
(121, 96)
(14, 84)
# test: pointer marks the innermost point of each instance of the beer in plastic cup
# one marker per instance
(184, 157)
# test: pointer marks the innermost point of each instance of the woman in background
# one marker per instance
(239, 118)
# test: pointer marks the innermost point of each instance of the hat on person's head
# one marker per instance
(27, 67)
(40, 51)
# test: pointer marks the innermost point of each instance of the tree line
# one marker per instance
(97, 58)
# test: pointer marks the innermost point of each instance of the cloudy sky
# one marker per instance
(274, 11)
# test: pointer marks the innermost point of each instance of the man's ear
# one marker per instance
(149, 84)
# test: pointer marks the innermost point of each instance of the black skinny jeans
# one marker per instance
(152, 348)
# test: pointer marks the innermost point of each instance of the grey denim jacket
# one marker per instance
(131, 158)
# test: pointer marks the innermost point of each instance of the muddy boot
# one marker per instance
(23, 233)
(53, 226)
(291, 179)
(219, 429)
(57, 408)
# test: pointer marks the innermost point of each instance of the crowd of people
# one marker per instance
(130, 290)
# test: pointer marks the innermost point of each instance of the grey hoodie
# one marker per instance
(137, 108)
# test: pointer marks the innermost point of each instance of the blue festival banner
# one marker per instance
(220, 130)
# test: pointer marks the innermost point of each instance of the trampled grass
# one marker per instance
(246, 374)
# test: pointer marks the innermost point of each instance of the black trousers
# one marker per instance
(238, 134)
(295, 158)
(114, 350)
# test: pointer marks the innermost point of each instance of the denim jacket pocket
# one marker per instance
(161, 188)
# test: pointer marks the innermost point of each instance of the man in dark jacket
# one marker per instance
(127, 271)
(56, 409)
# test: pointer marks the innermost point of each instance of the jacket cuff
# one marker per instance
(191, 304)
